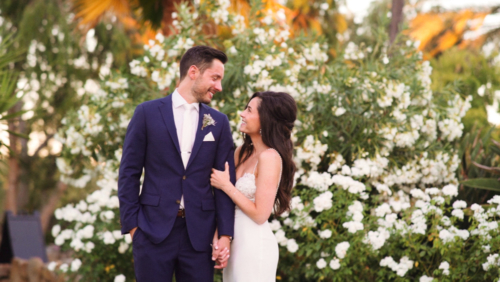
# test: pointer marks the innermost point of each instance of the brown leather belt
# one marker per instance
(181, 213)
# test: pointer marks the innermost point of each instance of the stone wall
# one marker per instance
(32, 270)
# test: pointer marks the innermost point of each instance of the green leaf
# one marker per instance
(13, 115)
(18, 134)
(483, 183)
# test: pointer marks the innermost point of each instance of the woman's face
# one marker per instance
(250, 120)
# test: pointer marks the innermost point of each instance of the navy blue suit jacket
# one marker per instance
(151, 143)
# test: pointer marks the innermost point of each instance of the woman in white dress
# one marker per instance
(264, 173)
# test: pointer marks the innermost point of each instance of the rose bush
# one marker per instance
(376, 152)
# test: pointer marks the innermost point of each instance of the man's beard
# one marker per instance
(200, 94)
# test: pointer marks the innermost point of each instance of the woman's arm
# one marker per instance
(269, 169)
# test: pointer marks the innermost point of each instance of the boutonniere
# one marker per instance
(207, 121)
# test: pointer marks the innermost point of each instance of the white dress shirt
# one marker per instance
(178, 109)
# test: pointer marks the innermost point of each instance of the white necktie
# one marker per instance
(187, 134)
(187, 138)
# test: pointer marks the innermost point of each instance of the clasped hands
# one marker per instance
(220, 251)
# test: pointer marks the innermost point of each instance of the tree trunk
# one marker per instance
(23, 193)
(168, 9)
(13, 174)
(397, 18)
(51, 205)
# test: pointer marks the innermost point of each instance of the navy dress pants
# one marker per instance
(175, 254)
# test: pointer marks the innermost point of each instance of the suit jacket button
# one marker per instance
(178, 201)
(184, 177)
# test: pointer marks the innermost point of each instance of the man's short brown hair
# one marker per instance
(200, 56)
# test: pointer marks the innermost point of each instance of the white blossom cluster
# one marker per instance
(488, 227)
(315, 54)
(323, 201)
(316, 180)
(341, 249)
(445, 266)
(404, 207)
(290, 244)
(492, 260)
(356, 214)
(310, 152)
(221, 14)
(64, 267)
(338, 162)
(353, 52)
(400, 268)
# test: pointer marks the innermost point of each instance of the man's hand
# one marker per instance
(215, 248)
(224, 247)
(132, 233)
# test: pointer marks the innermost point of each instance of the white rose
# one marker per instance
(55, 230)
(321, 263)
(52, 265)
(117, 234)
(89, 247)
(275, 225)
(292, 246)
(459, 204)
(123, 247)
(445, 266)
(335, 264)
(450, 190)
(108, 238)
(325, 234)
(59, 240)
(75, 265)
(63, 267)
(341, 249)
(120, 278)
(280, 237)
(458, 213)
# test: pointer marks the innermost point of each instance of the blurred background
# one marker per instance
(51, 51)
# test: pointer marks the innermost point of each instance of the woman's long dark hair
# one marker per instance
(277, 111)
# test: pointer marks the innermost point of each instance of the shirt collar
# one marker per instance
(179, 101)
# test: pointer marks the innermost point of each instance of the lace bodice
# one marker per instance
(246, 183)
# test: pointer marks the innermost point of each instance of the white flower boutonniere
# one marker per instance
(207, 121)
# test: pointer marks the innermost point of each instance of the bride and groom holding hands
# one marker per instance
(204, 204)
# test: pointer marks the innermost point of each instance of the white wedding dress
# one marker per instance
(254, 250)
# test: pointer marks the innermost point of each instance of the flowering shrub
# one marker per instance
(376, 155)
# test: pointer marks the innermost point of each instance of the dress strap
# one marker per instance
(255, 168)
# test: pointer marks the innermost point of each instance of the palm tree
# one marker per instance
(8, 82)
(9, 113)
(152, 15)
(440, 31)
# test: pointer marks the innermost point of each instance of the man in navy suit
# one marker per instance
(177, 140)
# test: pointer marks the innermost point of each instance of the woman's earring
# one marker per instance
(260, 131)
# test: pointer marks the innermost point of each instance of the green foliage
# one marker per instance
(483, 183)
(8, 80)
(373, 141)
(51, 75)
(468, 70)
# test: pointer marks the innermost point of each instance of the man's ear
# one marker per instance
(193, 72)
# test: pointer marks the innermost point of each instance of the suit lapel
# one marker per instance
(168, 117)
(199, 135)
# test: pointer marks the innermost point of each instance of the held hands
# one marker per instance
(220, 252)
(220, 179)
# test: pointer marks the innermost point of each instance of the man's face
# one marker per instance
(209, 82)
